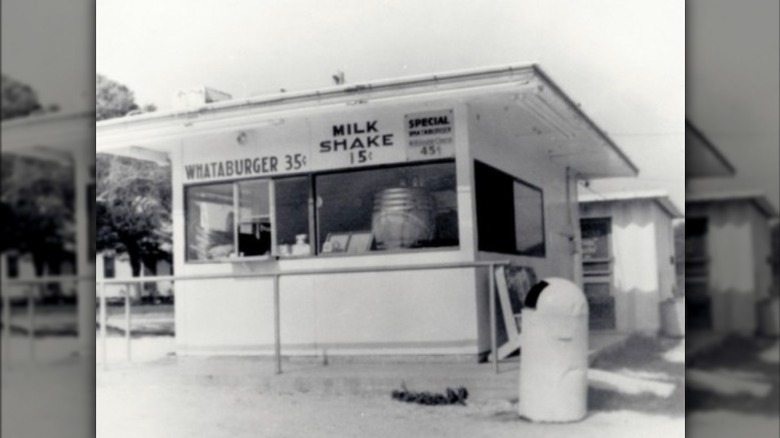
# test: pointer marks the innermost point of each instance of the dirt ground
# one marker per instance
(165, 404)
(238, 411)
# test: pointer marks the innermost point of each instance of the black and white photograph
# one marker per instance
(390, 218)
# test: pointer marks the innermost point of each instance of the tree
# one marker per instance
(113, 99)
(37, 208)
(19, 99)
(37, 198)
(133, 209)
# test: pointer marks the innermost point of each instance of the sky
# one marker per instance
(623, 61)
(733, 92)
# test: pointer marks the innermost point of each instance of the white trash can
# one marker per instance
(554, 353)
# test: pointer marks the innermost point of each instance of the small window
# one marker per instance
(294, 208)
(12, 265)
(695, 238)
(109, 266)
(210, 222)
(510, 213)
(595, 238)
(254, 218)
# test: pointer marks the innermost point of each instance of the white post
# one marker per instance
(6, 313)
(31, 321)
(103, 321)
(128, 295)
(84, 174)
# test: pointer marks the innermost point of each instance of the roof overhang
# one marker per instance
(702, 158)
(756, 198)
(660, 197)
(520, 100)
(56, 137)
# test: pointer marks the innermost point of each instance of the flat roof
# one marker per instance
(512, 89)
(758, 198)
(659, 196)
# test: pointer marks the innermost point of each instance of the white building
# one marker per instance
(446, 169)
(628, 258)
(728, 259)
(110, 266)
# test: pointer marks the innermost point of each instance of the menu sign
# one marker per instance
(356, 142)
(327, 142)
(431, 134)
(275, 149)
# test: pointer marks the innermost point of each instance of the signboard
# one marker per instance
(430, 135)
(352, 140)
(277, 148)
(343, 140)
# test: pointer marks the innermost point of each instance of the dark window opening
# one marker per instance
(510, 213)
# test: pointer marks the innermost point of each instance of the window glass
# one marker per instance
(292, 210)
(210, 221)
(109, 266)
(595, 238)
(390, 208)
(529, 220)
(510, 213)
(12, 266)
(696, 238)
(254, 218)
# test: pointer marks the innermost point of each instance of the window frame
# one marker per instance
(312, 216)
(515, 180)
(236, 221)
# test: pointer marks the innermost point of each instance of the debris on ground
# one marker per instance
(451, 397)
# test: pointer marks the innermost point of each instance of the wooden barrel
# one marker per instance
(403, 218)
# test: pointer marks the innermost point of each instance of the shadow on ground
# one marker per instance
(737, 355)
(642, 354)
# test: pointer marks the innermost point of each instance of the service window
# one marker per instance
(294, 210)
(393, 208)
(510, 213)
(254, 218)
(358, 211)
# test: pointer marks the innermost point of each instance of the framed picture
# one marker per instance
(336, 242)
(360, 242)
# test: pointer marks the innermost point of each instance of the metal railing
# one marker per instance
(29, 297)
(275, 276)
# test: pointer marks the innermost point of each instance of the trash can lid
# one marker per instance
(557, 296)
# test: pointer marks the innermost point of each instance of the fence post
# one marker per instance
(31, 322)
(493, 328)
(127, 303)
(103, 320)
(277, 327)
(6, 326)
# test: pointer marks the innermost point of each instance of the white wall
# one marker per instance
(738, 245)
(642, 244)
(425, 312)
(533, 166)
(122, 269)
(26, 271)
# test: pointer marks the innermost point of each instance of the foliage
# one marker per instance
(19, 99)
(113, 99)
(133, 209)
(37, 209)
